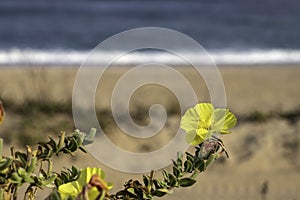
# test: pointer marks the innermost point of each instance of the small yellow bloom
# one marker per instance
(203, 120)
(73, 189)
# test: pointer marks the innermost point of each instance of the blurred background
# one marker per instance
(234, 32)
(254, 43)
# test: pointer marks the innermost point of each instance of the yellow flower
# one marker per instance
(203, 120)
(73, 189)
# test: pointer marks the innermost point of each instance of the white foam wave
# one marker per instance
(64, 57)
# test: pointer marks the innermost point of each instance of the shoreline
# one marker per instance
(75, 66)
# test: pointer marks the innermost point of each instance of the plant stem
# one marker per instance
(195, 174)
(49, 167)
(1, 194)
(15, 195)
(151, 178)
(1, 148)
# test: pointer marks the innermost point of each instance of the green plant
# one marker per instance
(185, 170)
(34, 167)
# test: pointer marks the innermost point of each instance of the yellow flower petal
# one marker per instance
(190, 120)
(197, 136)
(72, 189)
(87, 173)
(202, 121)
(205, 110)
(93, 193)
(225, 132)
(200, 116)
(223, 120)
(201, 132)
(230, 120)
(193, 139)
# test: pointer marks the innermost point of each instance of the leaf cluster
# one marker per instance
(34, 166)
(185, 170)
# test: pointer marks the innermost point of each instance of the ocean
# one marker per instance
(63, 32)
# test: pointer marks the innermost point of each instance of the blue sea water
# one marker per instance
(232, 31)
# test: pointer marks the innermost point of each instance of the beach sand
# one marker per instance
(264, 146)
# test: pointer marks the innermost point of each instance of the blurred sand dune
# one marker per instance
(267, 150)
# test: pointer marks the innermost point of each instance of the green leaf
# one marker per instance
(179, 160)
(31, 166)
(90, 137)
(147, 196)
(57, 182)
(73, 145)
(22, 172)
(186, 182)
(176, 172)
(159, 193)
(165, 190)
(166, 176)
(188, 166)
(189, 157)
(200, 165)
(172, 180)
(211, 159)
(157, 184)
(131, 190)
(44, 144)
(54, 195)
(5, 163)
(22, 157)
(83, 149)
(28, 179)
(53, 145)
(15, 178)
(146, 181)
(49, 180)
(64, 177)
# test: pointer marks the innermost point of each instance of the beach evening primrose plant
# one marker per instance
(90, 183)
(34, 167)
(203, 121)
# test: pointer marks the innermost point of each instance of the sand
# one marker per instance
(259, 151)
